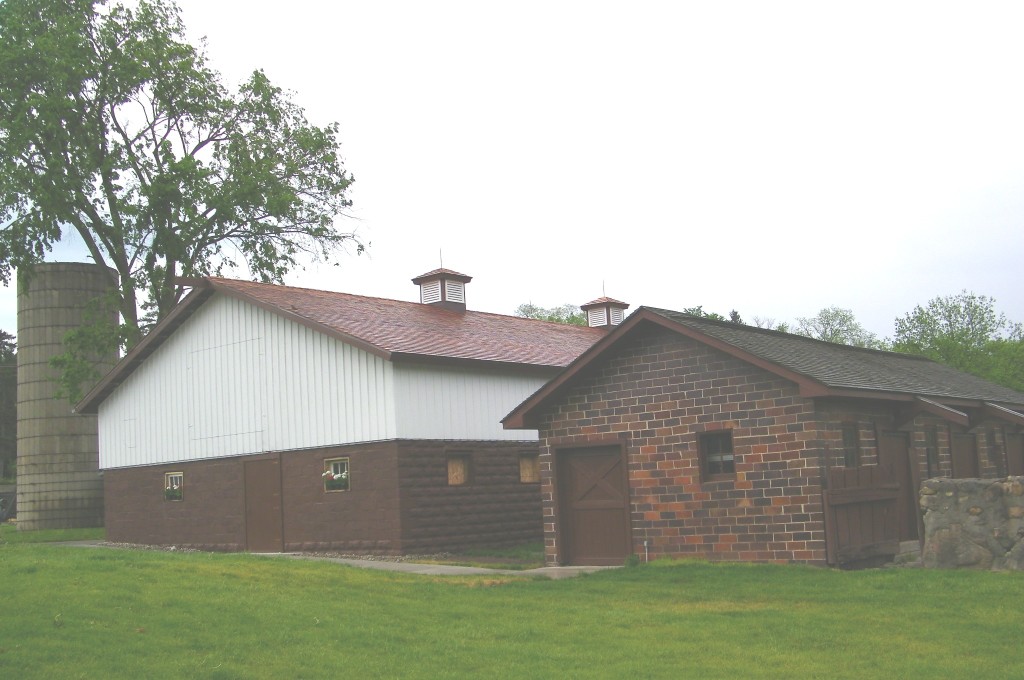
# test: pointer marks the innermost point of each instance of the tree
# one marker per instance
(8, 402)
(768, 323)
(113, 126)
(567, 313)
(699, 311)
(834, 324)
(735, 317)
(966, 332)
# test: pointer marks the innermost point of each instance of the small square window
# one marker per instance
(529, 468)
(717, 461)
(335, 475)
(174, 486)
(458, 469)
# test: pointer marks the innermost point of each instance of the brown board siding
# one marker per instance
(362, 519)
(493, 507)
(210, 516)
(398, 501)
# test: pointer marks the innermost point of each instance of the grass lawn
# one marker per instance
(108, 613)
(9, 534)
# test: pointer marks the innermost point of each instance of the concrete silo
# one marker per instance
(59, 485)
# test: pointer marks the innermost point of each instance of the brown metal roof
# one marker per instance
(392, 329)
(818, 368)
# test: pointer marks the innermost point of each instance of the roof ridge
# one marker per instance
(785, 334)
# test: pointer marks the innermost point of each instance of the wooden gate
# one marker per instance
(894, 454)
(593, 494)
(964, 449)
(1015, 454)
(263, 520)
(861, 514)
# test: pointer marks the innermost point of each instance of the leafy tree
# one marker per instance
(1006, 363)
(834, 324)
(8, 402)
(113, 126)
(567, 313)
(699, 311)
(735, 317)
(769, 324)
(966, 332)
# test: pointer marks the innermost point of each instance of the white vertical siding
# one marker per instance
(237, 379)
(458, 403)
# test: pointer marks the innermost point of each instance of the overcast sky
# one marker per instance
(771, 157)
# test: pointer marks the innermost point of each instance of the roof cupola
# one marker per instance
(604, 312)
(443, 288)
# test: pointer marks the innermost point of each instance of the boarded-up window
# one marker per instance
(458, 469)
(529, 468)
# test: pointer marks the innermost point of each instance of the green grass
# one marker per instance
(109, 613)
(529, 556)
(9, 534)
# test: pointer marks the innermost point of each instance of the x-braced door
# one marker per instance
(593, 492)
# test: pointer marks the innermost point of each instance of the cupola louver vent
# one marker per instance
(443, 288)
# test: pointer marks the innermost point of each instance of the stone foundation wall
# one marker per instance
(973, 523)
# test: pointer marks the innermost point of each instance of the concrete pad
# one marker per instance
(405, 567)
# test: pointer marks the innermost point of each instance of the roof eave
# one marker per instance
(544, 370)
(524, 416)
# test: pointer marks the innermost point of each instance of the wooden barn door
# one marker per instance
(593, 494)
(861, 515)
(894, 454)
(1015, 454)
(263, 519)
(965, 456)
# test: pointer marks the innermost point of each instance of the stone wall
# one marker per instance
(973, 523)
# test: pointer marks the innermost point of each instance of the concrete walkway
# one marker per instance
(406, 567)
(443, 569)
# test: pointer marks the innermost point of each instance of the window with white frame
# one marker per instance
(174, 486)
(335, 475)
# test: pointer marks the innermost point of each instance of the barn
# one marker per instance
(271, 418)
(680, 436)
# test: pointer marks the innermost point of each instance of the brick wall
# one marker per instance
(494, 508)
(398, 501)
(210, 517)
(659, 392)
(364, 519)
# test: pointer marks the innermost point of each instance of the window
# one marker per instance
(716, 455)
(174, 486)
(851, 445)
(931, 451)
(335, 474)
(458, 469)
(995, 453)
(529, 468)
